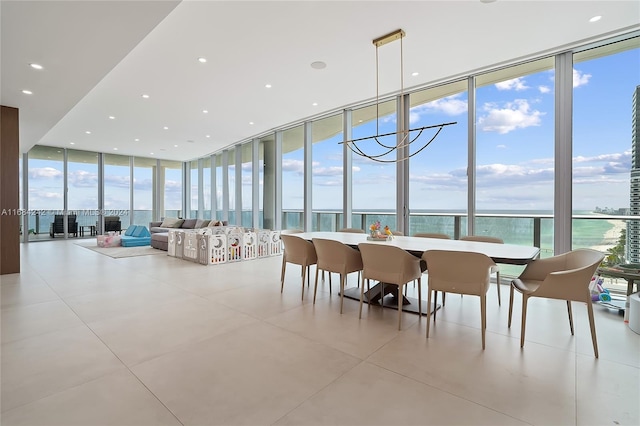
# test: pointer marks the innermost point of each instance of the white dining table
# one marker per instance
(500, 253)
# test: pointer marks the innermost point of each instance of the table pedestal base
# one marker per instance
(389, 300)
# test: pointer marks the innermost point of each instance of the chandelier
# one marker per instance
(404, 138)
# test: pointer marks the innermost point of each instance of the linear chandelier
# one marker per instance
(406, 139)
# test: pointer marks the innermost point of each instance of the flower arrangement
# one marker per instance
(378, 232)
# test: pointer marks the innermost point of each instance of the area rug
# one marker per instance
(120, 252)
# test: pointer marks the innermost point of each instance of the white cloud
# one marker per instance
(580, 79)
(327, 171)
(501, 146)
(289, 165)
(517, 84)
(544, 89)
(45, 173)
(83, 178)
(515, 115)
(450, 105)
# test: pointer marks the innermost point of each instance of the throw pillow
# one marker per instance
(170, 222)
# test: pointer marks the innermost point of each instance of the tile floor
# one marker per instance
(153, 340)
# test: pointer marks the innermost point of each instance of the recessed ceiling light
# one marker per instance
(318, 65)
(202, 60)
(413, 74)
(151, 153)
(136, 140)
(207, 136)
(315, 104)
(166, 128)
(88, 132)
(251, 123)
(72, 143)
(115, 149)
(175, 146)
(145, 96)
(268, 86)
(111, 117)
(27, 92)
(36, 66)
(205, 111)
(595, 18)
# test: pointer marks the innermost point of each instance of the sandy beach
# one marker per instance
(611, 237)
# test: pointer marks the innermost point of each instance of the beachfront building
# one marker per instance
(633, 226)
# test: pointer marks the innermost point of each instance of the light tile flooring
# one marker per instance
(153, 340)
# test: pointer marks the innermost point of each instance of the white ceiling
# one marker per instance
(99, 57)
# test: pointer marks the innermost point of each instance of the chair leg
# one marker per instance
(435, 306)
(329, 281)
(399, 307)
(429, 311)
(419, 298)
(498, 289)
(284, 267)
(315, 286)
(342, 280)
(361, 296)
(525, 299)
(592, 325)
(304, 273)
(510, 305)
(444, 295)
(483, 317)
(570, 316)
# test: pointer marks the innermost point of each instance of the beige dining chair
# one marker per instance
(352, 230)
(565, 277)
(334, 256)
(432, 235)
(299, 252)
(390, 265)
(447, 275)
(488, 239)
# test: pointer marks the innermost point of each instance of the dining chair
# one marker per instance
(398, 233)
(447, 275)
(334, 256)
(390, 265)
(432, 235)
(488, 239)
(352, 230)
(299, 252)
(565, 277)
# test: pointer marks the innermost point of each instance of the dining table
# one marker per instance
(385, 295)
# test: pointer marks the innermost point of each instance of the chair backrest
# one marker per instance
(298, 251)
(432, 235)
(399, 233)
(334, 256)
(352, 230)
(388, 264)
(482, 239)
(458, 271)
(291, 231)
(112, 218)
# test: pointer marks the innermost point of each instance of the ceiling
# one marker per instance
(100, 57)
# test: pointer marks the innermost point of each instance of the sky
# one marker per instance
(515, 131)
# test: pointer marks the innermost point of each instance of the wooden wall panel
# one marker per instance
(9, 192)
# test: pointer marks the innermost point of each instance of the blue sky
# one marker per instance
(515, 130)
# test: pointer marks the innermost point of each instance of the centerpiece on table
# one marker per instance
(377, 233)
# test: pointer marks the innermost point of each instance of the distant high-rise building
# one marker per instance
(633, 226)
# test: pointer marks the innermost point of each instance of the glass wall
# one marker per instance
(327, 172)
(606, 169)
(267, 185)
(193, 191)
(293, 178)
(171, 187)
(437, 179)
(515, 152)
(231, 176)
(117, 187)
(82, 192)
(247, 185)
(143, 183)
(46, 189)
(219, 182)
(374, 182)
(206, 187)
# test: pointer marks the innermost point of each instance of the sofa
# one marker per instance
(160, 229)
(136, 236)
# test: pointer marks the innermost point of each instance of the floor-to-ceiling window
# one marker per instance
(82, 184)
(231, 187)
(193, 190)
(438, 171)
(247, 185)
(46, 189)
(218, 189)
(374, 182)
(171, 188)
(515, 152)
(206, 187)
(293, 178)
(606, 169)
(267, 178)
(143, 182)
(117, 187)
(327, 171)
